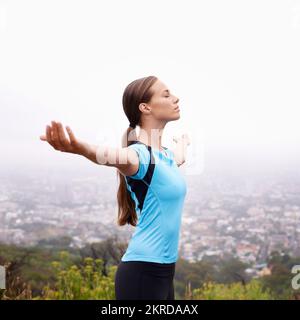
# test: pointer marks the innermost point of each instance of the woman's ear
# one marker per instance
(144, 107)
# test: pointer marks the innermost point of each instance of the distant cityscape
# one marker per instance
(231, 214)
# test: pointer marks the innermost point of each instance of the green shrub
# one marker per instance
(85, 282)
(253, 290)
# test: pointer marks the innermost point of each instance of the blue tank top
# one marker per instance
(158, 189)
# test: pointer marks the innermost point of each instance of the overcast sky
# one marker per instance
(234, 65)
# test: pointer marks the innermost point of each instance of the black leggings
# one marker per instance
(142, 280)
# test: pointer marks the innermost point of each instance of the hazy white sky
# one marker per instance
(234, 65)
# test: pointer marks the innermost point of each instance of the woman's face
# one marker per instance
(163, 104)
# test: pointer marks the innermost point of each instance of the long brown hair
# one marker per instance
(138, 91)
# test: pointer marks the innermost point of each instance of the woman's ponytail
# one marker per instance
(138, 91)
(126, 205)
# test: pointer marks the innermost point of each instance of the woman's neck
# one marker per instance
(151, 137)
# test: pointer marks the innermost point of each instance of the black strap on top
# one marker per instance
(140, 186)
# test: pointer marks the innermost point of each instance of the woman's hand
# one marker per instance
(55, 136)
(180, 148)
(184, 139)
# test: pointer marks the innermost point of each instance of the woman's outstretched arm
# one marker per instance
(124, 159)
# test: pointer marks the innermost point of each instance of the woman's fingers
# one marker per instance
(55, 138)
(71, 135)
(187, 139)
(48, 135)
(62, 137)
(184, 138)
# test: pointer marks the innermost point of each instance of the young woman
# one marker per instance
(151, 191)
